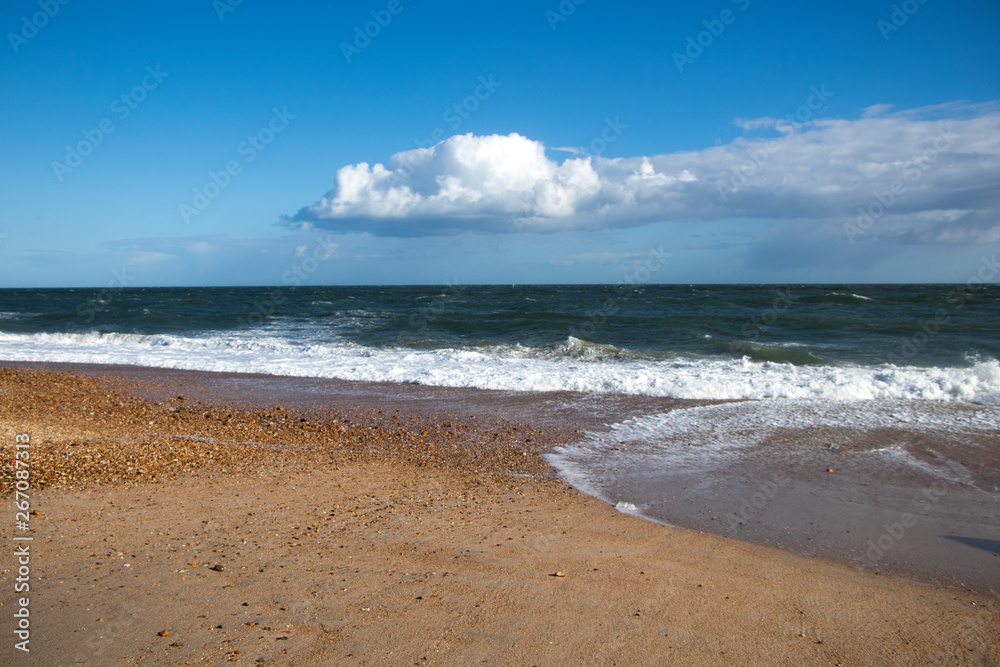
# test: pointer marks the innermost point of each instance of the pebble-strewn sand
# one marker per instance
(177, 533)
(98, 432)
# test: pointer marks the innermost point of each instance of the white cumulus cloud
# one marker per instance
(939, 165)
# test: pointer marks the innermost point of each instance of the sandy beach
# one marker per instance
(171, 529)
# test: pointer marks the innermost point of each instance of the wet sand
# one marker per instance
(367, 531)
(566, 411)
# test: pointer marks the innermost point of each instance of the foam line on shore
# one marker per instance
(520, 368)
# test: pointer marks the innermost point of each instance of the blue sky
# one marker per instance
(554, 142)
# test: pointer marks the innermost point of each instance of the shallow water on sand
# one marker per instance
(911, 488)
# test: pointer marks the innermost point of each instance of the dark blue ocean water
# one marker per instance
(928, 341)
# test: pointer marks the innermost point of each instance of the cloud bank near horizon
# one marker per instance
(928, 175)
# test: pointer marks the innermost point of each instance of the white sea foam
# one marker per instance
(702, 432)
(580, 366)
(856, 297)
(704, 438)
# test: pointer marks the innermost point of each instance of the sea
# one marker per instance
(898, 385)
(849, 342)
